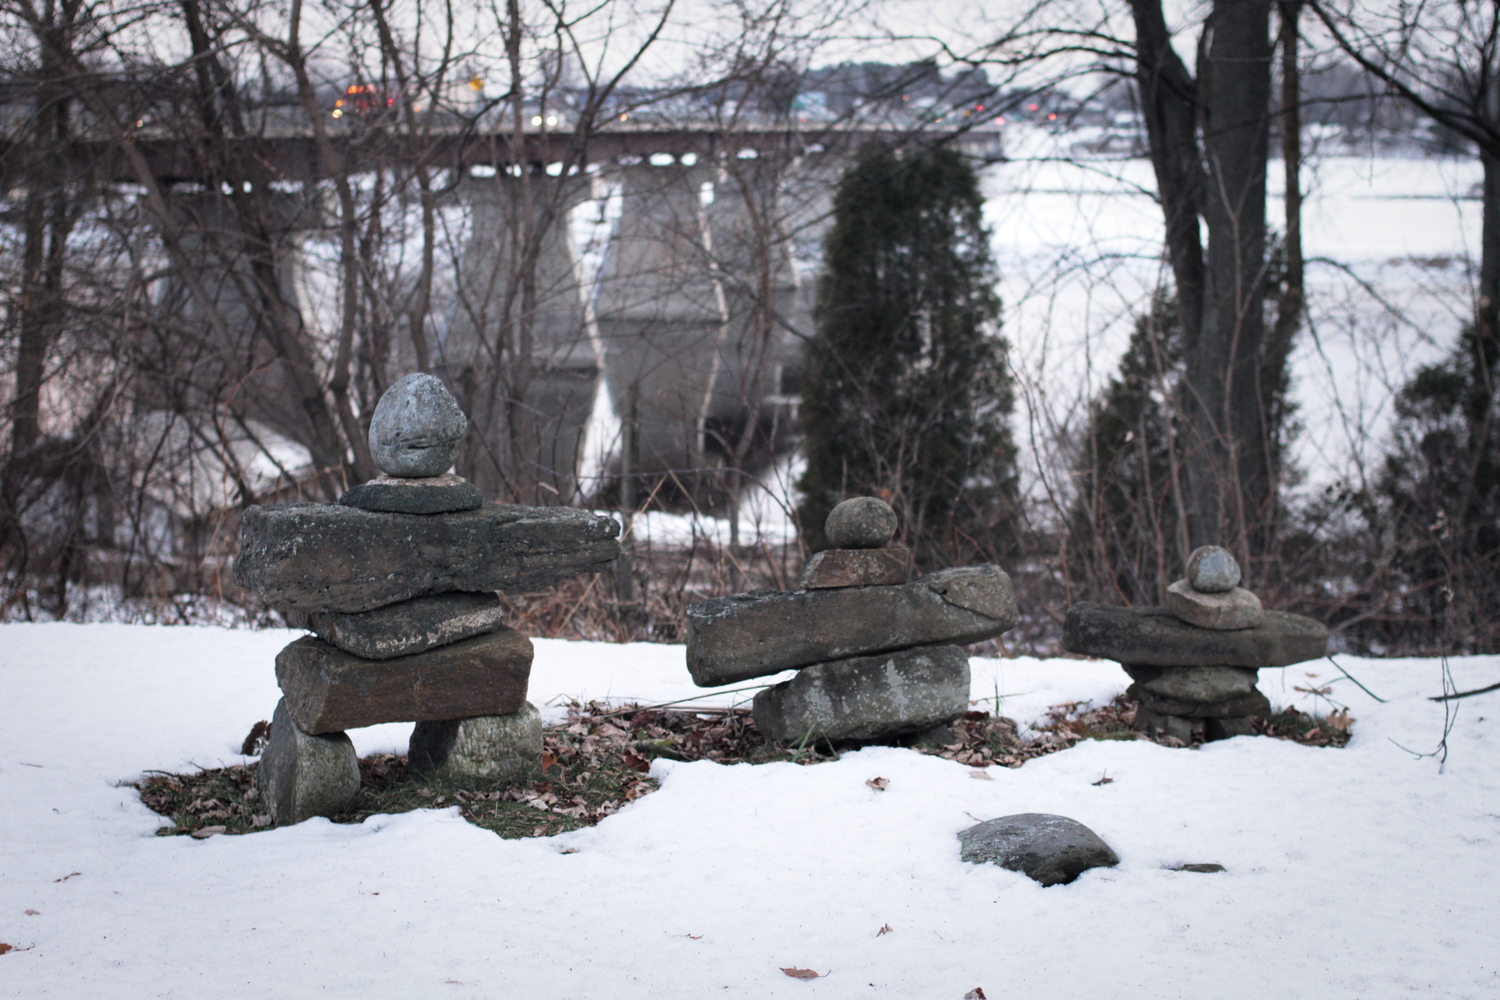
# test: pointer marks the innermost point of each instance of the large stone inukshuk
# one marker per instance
(398, 580)
(1195, 662)
(878, 656)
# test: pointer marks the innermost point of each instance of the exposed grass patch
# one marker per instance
(596, 762)
(216, 796)
(1331, 730)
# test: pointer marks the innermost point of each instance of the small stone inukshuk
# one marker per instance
(1195, 662)
(880, 657)
(398, 582)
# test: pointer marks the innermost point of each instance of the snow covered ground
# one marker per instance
(1361, 873)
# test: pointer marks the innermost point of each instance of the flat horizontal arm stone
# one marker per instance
(751, 635)
(1155, 637)
(328, 557)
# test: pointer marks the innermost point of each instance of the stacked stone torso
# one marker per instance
(879, 656)
(398, 582)
(1195, 662)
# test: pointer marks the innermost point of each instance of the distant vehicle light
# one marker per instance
(551, 119)
(536, 119)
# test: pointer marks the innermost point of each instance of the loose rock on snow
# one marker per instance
(1052, 850)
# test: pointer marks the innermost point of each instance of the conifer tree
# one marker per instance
(905, 392)
(1441, 487)
(1126, 530)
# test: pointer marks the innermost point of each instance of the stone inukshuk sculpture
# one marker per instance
(879, 657)
(1195, 662)
(398, 582)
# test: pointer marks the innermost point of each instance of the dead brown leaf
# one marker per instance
(33, 913)
(255, 740)
(803, 973)
(635, 761)
(879, 784)
(10, 947)
(67, 876)
(975, 994)
(980, 773)
(1104, 780)
(884, 929)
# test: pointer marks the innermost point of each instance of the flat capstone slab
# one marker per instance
(416, 428)
(327, 689)
(1212, 569)
(501, 749)
(860, 523)
(751, 635)
(867, 697)
(1155, 637)
(328, 557)
(408, 627)
(856, 568)
(1052, 850)
(1234, 608)
(438, 495)
(301, 775)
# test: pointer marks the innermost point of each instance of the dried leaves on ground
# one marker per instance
(597, 760)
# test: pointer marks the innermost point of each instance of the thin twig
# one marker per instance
(1347, 674)
(1463, 694)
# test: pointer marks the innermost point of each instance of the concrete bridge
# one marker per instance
(692, 326)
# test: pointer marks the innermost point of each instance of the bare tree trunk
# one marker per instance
(1169, 104)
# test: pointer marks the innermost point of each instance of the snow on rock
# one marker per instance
(1362, 872)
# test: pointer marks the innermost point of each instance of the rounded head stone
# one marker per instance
(1212, 570)
(416, 428)
(860, 523)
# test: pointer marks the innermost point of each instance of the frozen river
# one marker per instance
(1389, 243)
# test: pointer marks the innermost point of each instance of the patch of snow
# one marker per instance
(1360, 872)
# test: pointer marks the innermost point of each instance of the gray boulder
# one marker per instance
(867, 697)
(1052, 850)
(328, 689)
(437, 495)
(860, 523)
(409, 627)
(302, 776)
(856, 568)
(328, 557)
(500, 749)
(1156, 637)
(416, 428)
(1234, 608)
(750, 635)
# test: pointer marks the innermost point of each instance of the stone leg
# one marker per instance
(1155, 723)
(1223, 729)
(492, 748)
(867, 697)
(302, 775)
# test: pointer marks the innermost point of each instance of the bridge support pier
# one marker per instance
(522, 360)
